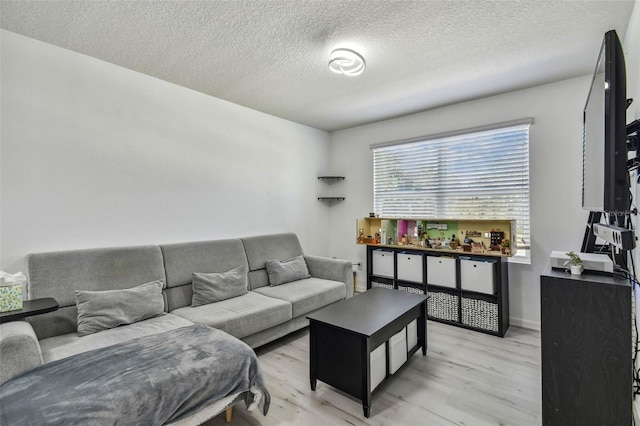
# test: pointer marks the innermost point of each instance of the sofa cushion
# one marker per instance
(59, 274)
(306, 295)
(215, 287)
(181, 260)
(240, 316)
(286, 271)
(102, 310)
(261, 248)
(65, 345)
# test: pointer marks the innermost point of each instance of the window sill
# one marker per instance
(522, 257)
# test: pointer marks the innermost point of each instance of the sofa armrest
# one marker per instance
(331, 269)
(19, 349)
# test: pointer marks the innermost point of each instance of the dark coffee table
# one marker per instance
(343, 335)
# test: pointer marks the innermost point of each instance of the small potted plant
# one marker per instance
(505, 246)
(575, 263)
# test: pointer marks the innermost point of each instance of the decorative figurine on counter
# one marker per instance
(454, 242)
(477, 248)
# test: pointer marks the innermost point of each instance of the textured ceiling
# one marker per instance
(272, 56)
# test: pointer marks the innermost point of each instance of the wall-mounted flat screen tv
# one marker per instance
(605, 179)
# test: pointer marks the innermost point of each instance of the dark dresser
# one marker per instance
(586, 333)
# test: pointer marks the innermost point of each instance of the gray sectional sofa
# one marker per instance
(262, 314)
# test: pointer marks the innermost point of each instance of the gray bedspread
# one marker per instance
(151, 380)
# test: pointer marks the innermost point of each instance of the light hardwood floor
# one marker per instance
(467, 378)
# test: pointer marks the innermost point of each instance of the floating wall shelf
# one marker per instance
(331, 178)
(331, 198)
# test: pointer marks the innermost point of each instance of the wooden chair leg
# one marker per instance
(228, 413)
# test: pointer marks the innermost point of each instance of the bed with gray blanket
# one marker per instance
(150, 380)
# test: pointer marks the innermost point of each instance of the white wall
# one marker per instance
(557, 219)
(94, 155)
(631, 45)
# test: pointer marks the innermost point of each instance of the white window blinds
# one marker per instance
(478, 175)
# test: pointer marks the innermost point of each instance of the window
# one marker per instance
(480, 174)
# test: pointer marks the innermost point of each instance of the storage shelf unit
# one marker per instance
(467, 290)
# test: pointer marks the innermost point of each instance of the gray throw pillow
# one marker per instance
(102, 310)
(214, 287)
(285, 271)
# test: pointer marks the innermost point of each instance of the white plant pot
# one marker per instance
(576, 269)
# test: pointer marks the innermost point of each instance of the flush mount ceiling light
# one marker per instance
(347, 62)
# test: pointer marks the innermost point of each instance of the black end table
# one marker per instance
(29, 308)
(343, 335)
